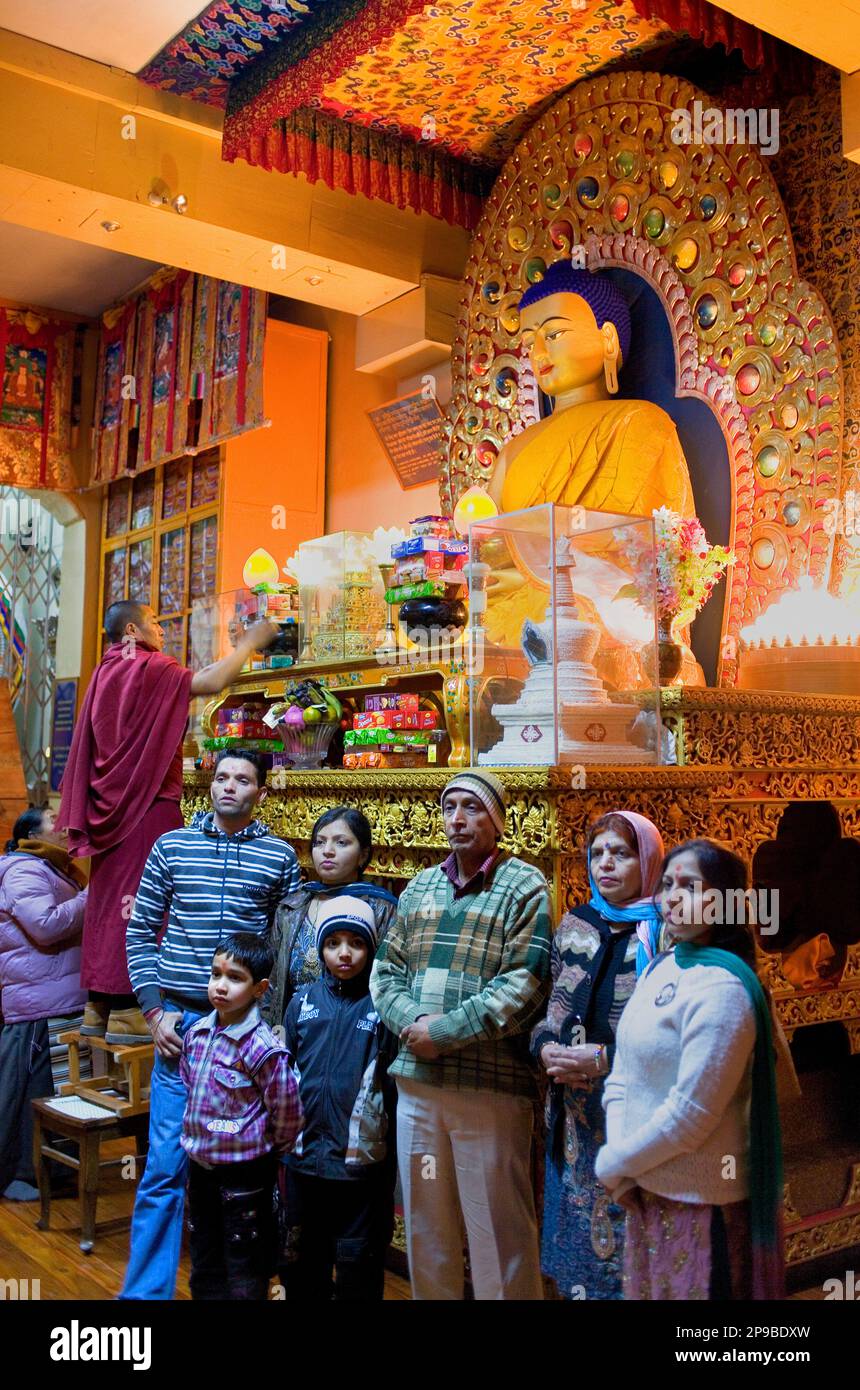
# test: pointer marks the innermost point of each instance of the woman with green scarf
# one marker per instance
(693, 1145)
(341, 847)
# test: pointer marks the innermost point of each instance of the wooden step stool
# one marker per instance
(88, 1134)
(125, 1087)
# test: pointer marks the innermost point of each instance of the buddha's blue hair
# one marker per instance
(600, 293)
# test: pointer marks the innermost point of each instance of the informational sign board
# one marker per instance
(62, 728)
(410, 431)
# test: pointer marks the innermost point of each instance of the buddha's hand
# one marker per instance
(504, 581)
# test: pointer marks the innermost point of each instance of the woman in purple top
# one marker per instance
(42, 901)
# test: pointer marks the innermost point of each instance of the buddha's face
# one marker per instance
(566, 345)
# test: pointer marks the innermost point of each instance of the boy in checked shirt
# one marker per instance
(243, 1112)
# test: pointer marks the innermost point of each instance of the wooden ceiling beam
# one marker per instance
(82, 145)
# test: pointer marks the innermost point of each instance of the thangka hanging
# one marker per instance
(116, 412)
(227, 358)
(180, 368)
(37, 363)
(164, 327)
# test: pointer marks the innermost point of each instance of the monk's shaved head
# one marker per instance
(119, 615)
(146, 628)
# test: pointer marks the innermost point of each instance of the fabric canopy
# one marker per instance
(379, 165)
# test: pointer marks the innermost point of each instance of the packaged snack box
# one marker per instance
(232, 714)
(374, 757)
(432, 526)
(362, 738)
(429, 588)
(420, 545)
(244, 728)
(396, 719)
(260, 745)
(370, 719)
(413, 568)
(432, 564)
(406, 700)
(277, 606)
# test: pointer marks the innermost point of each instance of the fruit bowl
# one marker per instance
(307, 719)
(306, 747)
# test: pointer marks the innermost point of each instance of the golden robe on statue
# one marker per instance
(607, 456)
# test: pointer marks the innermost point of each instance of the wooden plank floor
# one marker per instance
(56, 1260)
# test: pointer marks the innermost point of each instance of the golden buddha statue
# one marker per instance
(593, 451)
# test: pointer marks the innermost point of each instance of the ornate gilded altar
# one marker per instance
(445, 680)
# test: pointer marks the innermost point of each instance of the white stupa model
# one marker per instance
(591, 727)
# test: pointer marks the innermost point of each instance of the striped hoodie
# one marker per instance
(208, 884)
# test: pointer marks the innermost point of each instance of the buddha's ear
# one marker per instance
(611, 356)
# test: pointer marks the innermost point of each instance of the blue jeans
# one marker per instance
(156, 1226)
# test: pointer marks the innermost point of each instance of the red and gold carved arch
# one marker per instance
(705, 226)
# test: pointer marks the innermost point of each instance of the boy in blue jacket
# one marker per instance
(337, 1186)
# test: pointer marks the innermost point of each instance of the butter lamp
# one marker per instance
(260, 568)
(475, 505)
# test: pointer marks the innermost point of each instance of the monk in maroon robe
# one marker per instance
(123, 781)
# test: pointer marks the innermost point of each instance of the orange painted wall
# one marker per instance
(283, 466)
(362, 489)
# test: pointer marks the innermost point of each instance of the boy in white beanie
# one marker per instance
(337, 1185)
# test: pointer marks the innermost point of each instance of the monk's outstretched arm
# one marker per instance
(215, 678)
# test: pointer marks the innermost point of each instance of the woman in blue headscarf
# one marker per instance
(341, 847)
(597, 952)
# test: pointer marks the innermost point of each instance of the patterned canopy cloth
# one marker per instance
(352, 96)
(413, 103)
(229, 34)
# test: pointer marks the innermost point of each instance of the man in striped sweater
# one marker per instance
(224, 872)
(461, 977)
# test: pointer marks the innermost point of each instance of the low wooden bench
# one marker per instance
(87, 1132)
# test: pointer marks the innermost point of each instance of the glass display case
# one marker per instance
(217, 623)
(563, 639)
(341, 598)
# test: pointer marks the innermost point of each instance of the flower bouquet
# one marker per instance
(688, 568)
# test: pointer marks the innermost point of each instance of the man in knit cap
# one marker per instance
(460, 978)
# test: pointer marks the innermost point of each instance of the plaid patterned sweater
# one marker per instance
(482, 960)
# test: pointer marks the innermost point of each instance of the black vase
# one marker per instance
(286, 642)
(429, 614)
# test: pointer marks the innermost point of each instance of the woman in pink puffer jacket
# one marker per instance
(42, 901)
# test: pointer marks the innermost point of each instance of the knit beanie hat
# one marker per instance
(347, 913)
(486, 787)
